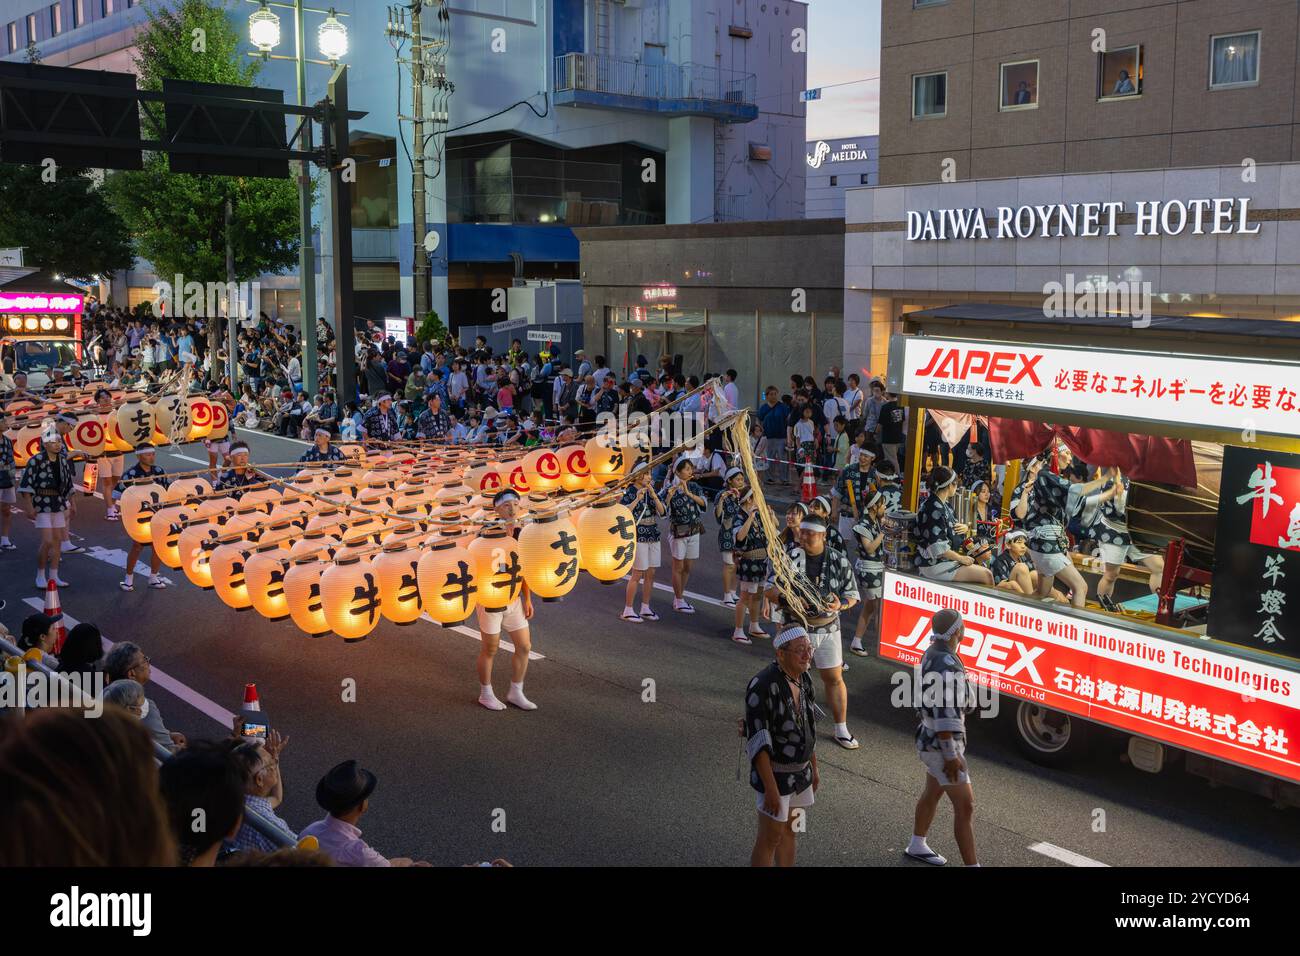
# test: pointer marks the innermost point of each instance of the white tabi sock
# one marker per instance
(488, 699)
(516, 697)
(842, 730)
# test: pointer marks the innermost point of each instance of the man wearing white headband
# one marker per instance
(946, 699)
(781, 734)
(240, 474)
(46, 487)
(514, 618)
(322, 449)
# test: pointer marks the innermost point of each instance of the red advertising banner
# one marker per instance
(1275, 514)
(1188, 696)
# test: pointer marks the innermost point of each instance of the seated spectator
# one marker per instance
(204, 777)
(126, 694)
(344, 795)
(126, 660)
(263, 791)
(51, 762)
(83, 651)
(39, 634)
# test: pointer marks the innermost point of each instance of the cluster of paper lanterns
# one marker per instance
(136, 419)
(338, 551)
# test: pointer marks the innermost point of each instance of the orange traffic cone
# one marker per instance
(52, 609)
(251, 701)
(809, 490)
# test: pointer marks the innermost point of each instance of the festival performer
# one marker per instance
(111, 462)
(647, 508)
(686, 502)
(381, 422)
(219, 448)
(46, 487)
(323, 450)
(1116, 542)
(888, 485)
(64, 423)
(830, 575)
(781, 733)
(433, 423)
(240, 474)
(939, 536)
(946, 699)
(1043, 505)
(727, 510)
(851, 490)
(8, 496)
(145, 467)
(869, 568)
(514, 618)
(751, 570)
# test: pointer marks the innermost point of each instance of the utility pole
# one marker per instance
(335, 130)
(233, 308)
(306, 254)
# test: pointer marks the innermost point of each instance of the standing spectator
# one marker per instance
(773, 416)
(892, 428)
(8, 495)
(376, 374)
(344, 795)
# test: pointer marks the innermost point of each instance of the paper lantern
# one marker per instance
(302, 593)
(407, 520)
(370, 526)
(355, 545)
(135, 420)
(349, 590)
(485, 479)
(27, 443)
(606, 461)
(227, 566)
(326, 519)
(165, 532)
(357, 452)
(172, 417)
(164, 416)
(136, 506)
(445, 574)
(264, 579)
(309, 479)
(497, 569)
(312, 543)
(515, 476)
(220, 422)
(261, 498)
(548, 549)
(277, 534)
(87, 436)
(294, 512)
(606, 540)
(200, 418)
(543, 470)
(247, 521)
(195, 547)
(187, 490)
(574, 474)
(408, 497)
(451, 495)
(399, 588)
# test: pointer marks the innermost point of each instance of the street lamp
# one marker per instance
(332, 38)
(264, 29)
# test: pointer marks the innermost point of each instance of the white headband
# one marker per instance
(788, 635)
(953, 629)
(944, 484)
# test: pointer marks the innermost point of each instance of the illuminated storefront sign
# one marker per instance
(659, 293)
(40, 302)
(822, 153)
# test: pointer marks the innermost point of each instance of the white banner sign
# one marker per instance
(541, 335)
(1187, 390)
(508, 325)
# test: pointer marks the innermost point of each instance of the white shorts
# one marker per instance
(827, 651)
(788, 800)
(217, 447)
(512, 619)
(51, 519)
(1049, 563)
(1119, 554)
(111, 466)
(933, 761)
(649, 555)
(943, 571)
(728, 559)
(685, 549)
(751, 587)
(845, 525)
(8, 496)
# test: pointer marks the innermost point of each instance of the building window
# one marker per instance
(929, 95)
(1119, 73)
(12, 33)
(927, 3)
(1234, 60)
(31, 28)
(56, 20)
(108, 6)
(864, 180)
(835, 180)
(1020, 85)
(78, 13)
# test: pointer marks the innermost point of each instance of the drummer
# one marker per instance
(869, 567)
(1043, 505)
(1116, 542)
(937, 531)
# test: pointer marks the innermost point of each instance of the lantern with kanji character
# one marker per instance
(227, 568)
(277, 534)
(543, 470)
(327, 519)
(445, 574)
(574, 475)
(135, 420)
(200, 418)
(247, 521)
(315, 542)
(114, 438)
(263, 499)
(451, 495)
(548, 548)
(399, 587)
(220, 422)
(136, 507)
(302, 593)
(363, 525)
(409, 496)
(264, 579)
(607, 540)
(295, 511)
(187, 490)
(605, 458)
(195, 547)
(495, 556)
(349, 590)
(164, 416)
(165, 533)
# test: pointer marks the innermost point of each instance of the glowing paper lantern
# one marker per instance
(302, 592)
(247, 521)
(543, 470)
(200, 418)
(399, 588)
(515, 476)
(135, 421)
(453, 494)
(294, 512)
(261, 498)
(326, 519)
(446, 578)
(311, 543)
(278, 535)
(227, 566)
(195, 547)
(220, 421)
(349, 592)
(136, 506)
(495, 557)
(114, 440)
(87, 436)
(548, 548)
(606, 540)
(484, 479)
(575, 474)
(411, 497)
(27, 443)
(606, 461)
(264, 579)
(165, 533)
(186, 489)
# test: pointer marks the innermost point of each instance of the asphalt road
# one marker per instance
(598, 774)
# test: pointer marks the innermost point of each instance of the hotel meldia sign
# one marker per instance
(1086, 220)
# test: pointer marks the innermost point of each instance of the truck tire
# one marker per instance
(1049, 737)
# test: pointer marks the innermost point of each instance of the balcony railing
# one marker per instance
(596, 79)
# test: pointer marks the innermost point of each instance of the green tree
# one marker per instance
(64, 225)
(177, 219)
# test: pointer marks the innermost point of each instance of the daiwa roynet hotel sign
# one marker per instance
(1213, 217)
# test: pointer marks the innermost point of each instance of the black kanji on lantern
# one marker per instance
(408, 589)
(616, 461)
(460, 585)
(565, 543)
(313, 598)
(143, 426)
(276, 586)
(566, 571)
(237, 574)
(623, 528)
(623, 554)
(365, 598)
(512, 572)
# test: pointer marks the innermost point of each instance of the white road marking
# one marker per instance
(1068, 857)
(168, 683)
(505, 645)
(117, 558)
(198, 461)
(260, 434)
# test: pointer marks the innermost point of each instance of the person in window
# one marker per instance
(938, 535)
(1124, 85)
(1042, 503)
(1023, 96)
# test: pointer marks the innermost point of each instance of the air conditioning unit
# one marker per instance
(736, 30)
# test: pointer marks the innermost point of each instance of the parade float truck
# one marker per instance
(40, 331)
(1202, 414)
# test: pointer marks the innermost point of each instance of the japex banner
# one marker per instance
(1188, 696)
(1186, 389)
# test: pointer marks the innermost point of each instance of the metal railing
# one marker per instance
(620, 76)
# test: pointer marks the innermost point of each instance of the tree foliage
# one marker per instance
(64, 225)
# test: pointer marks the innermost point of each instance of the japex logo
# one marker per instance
(1000, 368)
(490, 483)
(576, 463)
(200, 412)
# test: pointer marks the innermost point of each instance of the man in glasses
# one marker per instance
(263, 791)
(126, 661)
(779, 726)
